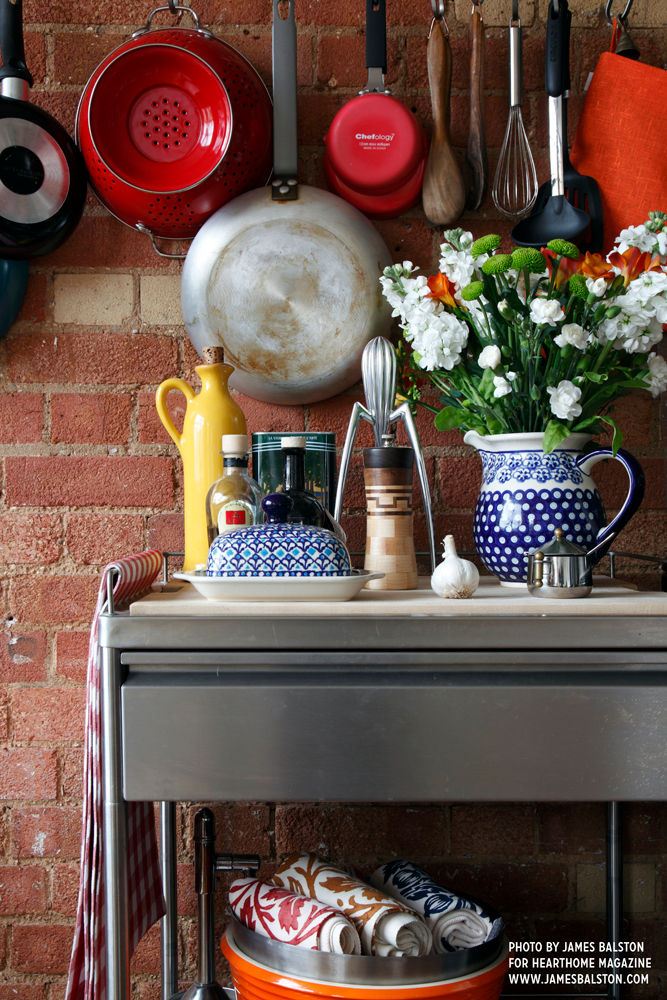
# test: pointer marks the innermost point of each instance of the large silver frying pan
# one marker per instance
(285, 277)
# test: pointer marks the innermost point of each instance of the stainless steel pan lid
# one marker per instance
(286, 277)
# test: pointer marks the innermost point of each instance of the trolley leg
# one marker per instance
(614, 885)
(115, 832)
(168, 928)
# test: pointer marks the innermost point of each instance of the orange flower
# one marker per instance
(632, 262)
(595, 266)
(566, 268)
(442, 289)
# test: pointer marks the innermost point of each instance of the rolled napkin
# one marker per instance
(456, 922)
(386, 927)
(291, 918)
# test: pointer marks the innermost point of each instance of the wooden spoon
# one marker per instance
(443, 189)
(476, 153)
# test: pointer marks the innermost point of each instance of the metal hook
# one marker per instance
(172, 6)
(438, 8)
(621, 17)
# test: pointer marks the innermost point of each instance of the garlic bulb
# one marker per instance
(454, 577)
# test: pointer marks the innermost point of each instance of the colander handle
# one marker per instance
(174, 9)
(153, 238)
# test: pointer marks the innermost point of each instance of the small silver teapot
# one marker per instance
(559, 569)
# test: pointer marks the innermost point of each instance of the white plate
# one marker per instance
(278, 588)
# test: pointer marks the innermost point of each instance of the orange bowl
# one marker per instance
(253, 980)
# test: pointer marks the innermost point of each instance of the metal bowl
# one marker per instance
(364, 970)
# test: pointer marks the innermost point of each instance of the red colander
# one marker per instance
(173, 124)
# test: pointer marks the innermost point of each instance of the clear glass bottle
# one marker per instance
(306, 508)
(234, 500)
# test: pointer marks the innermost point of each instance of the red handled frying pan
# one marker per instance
(375, 149)
(42, 176)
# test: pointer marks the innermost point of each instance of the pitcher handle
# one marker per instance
(161, 405)
(635, 495)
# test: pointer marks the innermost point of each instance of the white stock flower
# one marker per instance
(438, 339)
(634, 332)
(597, 286)
(459, 265)
(565, 400)
(490, 357)
(657, 367)
(502, 386)
(573, 334)
(635, 236)
(546, 311)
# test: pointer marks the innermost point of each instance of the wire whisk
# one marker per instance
(515, 182)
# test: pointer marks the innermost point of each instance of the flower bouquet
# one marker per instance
(533, 341)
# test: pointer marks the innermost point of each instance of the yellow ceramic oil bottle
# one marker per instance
(209, 414)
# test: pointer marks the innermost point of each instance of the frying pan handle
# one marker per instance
(284, 186)
(11, 42)
(161, 405)
(376, 35)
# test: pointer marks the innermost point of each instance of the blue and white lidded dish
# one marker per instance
(278, 548)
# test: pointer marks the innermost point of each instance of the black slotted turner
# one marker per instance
(580, 190)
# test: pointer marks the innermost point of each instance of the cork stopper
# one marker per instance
(213, 355)
(234, 444)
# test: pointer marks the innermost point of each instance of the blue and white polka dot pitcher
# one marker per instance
(526, 495)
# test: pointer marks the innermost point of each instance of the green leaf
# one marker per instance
(449, 418)
(495, 426)
(596, 376)
(617, 438)
(554, 433)
(486, 386)
(590, 423)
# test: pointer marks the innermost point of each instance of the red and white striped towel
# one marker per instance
(87, 971)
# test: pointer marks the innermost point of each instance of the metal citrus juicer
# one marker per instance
(387, 473)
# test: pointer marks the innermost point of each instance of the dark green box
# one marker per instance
(267, 463)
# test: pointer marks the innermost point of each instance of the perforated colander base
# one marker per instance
(164, 124)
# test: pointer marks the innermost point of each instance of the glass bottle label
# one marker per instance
(234, 514)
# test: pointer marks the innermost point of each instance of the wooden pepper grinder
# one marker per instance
(390, 545)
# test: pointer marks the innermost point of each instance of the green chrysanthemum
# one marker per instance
(472, 291)
(578, 287)
(497, 264)
(564, 248)
(528, 259)
(485, 244)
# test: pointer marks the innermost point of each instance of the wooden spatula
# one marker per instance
(476, 156)
(443, 188)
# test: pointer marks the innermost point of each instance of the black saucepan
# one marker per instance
(42, 175)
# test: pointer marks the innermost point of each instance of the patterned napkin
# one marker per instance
(284, 916)
(386, 928)
(87, 971)
(456, 922)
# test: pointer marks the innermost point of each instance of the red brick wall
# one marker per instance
(88, 473)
